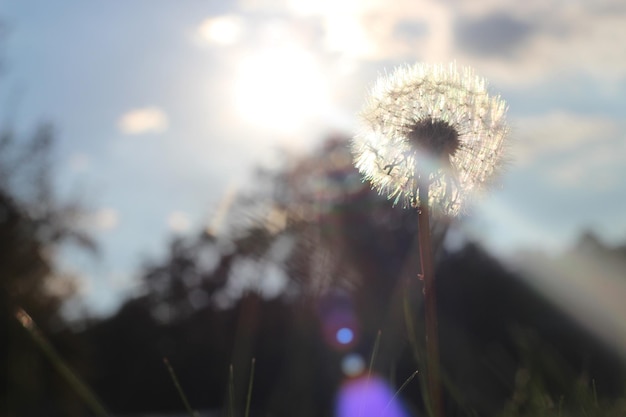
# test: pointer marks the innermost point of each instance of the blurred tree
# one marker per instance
(33, 224)
(311, 250)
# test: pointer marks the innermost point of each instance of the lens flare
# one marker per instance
(352, 365)
(368, 397)
(345, 335)
(339, 323)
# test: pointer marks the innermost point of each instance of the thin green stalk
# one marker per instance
(374, 353)
(430, 302)
(418, 352)
(371, 366)
(250, 383)
(179, 388)
(231, 392)
(410, 329)
(404, 384)
(64, 370)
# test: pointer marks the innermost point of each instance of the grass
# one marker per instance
(530, 397)
(81, 389)
(181, 393)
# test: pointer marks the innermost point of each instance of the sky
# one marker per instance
(163, 108)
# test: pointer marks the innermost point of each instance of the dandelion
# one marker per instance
(430, 125)
(432, 136)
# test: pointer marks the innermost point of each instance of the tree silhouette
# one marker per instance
(33, 225)
(340, 256)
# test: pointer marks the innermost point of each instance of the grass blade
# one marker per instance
(404, 384)
(231, 392)
(64, 370)
(374, 353)
(371, 367)
(181, 393)
(250, 383)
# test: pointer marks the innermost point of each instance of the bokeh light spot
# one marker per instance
(368, 397)
(345, 335)
(352, 365)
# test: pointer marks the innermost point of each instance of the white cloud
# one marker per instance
(221, 30)
(105, 219)
(178, 222)
(556, 39)
(586, 36)
(598, 167)
(369, 29)
(558, 133)
(79, 162)
(143, 120)
(533, 39)
(573, 150)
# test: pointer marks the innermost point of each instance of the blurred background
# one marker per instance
(175, 182)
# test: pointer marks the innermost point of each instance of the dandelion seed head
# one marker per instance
(434, 124)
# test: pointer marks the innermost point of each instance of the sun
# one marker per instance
(279, 89)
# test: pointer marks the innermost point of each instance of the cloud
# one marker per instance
(368, 30)
(79, 162)
(558, 133)
(375, 30)
(511, 41)
(105, 219)
(596, 168)
(572, 150)
(531, 41)
(144, 120)
(496, 34)
(221, 30)
(586, 36)
(178, 222)
(535, 40)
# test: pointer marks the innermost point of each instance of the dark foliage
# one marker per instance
(32, 226)
(341, 255)
(348, 255)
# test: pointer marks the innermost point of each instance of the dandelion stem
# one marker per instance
(430, 305)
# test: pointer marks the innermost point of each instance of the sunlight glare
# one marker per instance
(279, 89)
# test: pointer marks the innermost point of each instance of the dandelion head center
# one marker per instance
(437, 138)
